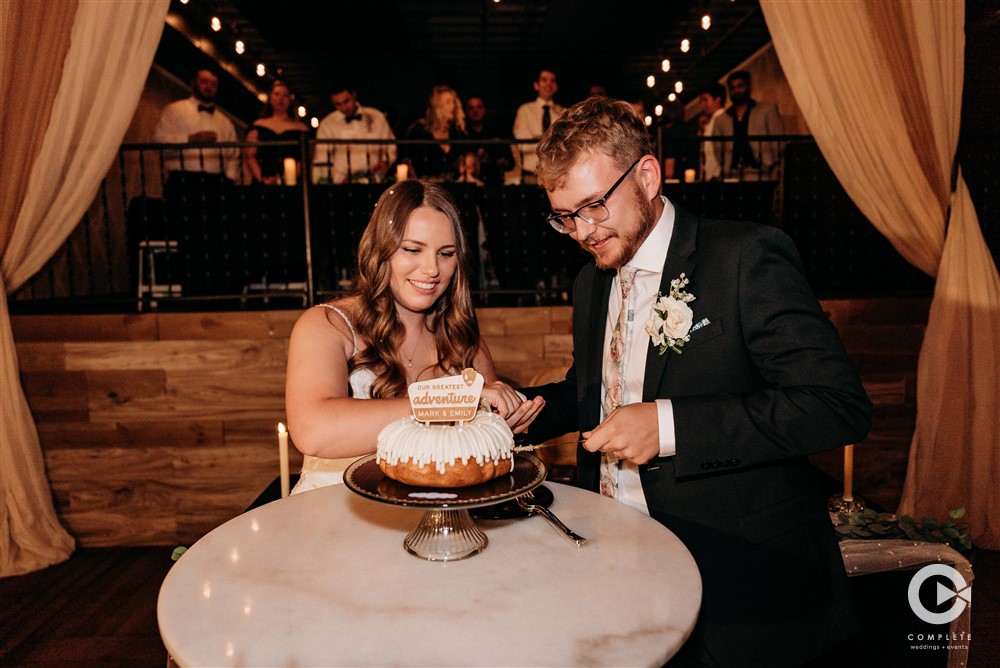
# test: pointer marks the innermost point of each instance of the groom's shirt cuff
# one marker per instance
(668, 441)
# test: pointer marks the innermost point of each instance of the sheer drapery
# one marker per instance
(72, 74)
(879, 83)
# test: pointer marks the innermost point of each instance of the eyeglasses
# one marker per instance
(593, 212)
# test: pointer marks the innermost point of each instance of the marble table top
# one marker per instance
(322, 579)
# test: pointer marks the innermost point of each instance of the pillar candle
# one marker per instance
(689, 176)
(283, 458)
(402, 172)
(848, 472)
(290, 171)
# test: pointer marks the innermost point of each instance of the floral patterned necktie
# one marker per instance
(614, 373)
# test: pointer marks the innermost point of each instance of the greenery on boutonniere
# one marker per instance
(872, 525)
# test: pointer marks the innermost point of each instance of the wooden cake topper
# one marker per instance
(449, 399)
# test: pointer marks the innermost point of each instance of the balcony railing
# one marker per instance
(194, 240)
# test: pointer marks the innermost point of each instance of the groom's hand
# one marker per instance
(632, 432)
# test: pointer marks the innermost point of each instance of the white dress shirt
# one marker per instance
(713, 169)
(528, 125)
(649, 261)
(360, 157)
(181, 119)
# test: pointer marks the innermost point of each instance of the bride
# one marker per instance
(409, 318)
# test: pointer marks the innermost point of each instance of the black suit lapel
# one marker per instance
(596, 316)
(679, 261)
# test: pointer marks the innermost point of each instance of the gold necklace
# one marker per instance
(409, 359)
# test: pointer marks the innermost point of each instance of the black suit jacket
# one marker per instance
(764, 384)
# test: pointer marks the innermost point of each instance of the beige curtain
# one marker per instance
(879, 83)
(71, 74)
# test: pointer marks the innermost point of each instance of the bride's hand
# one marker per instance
(509, 405)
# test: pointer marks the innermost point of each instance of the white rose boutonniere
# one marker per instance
(669, 324)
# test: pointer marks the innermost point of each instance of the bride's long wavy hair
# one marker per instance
(452, 318)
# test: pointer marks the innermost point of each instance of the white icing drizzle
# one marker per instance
(486, 437)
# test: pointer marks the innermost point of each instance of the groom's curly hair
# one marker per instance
(595, 125)
(452, 319)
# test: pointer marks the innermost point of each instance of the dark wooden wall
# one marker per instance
(158, 427)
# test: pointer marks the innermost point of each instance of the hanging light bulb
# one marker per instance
(261, 70)
(650, 81)
(672, 97)
(665, 65)
(301, 111)
(648, 121)
(685, 45)
(314, 122)
(216, 24)
(679, 87)
(658, 110)
(240, 47)
(706, 22)
(184, 2)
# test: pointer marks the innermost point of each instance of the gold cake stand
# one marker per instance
(446, 532)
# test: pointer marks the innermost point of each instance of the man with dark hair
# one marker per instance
(346, 163)
(197, 120)
(704, 374)
(533, 118)
(494, 159)
(713, 105)
(744, 158)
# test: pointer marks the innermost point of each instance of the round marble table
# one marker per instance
(322, 579)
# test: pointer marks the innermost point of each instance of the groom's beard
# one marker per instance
(631, 238)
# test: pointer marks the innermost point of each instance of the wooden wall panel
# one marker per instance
(158, 427)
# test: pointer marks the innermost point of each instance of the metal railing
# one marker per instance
(190, 239)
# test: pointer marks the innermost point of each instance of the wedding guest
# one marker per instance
(443, 121)
(197, 120)
(276, 123)
(720, 374)
(469, 169)
(409, 318)
(495, 159)
(347, 163)
(746, 117)
(533, 118)
(713, 105)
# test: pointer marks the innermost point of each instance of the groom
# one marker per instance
(701, 412)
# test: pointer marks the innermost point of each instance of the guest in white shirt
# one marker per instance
(713, 103)
(533, 118)
(346, 163)
(197, 120)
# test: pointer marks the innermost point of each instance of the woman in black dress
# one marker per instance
(444, 120)
(276, 123)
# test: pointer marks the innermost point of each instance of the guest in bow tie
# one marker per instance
(349, 163)
(277, 122)
(443, 120)
(409, 318)
(705, 372)
(197, 120)
(532, 119)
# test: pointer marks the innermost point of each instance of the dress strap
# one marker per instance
(354, 336)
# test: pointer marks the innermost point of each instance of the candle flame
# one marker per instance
(281, 428)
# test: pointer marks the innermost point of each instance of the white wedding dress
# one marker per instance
(316, 471)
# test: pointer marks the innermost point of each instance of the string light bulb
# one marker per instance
(648, 121)
(184, 2)
(672, 97)
(685, 45)
(679, 87)
(216, 24)
(706, 22)
(301, 111)
(665, 65)
(314, 122)
(240, 47)
(261, 70)
(650, 81)
(658, 110)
